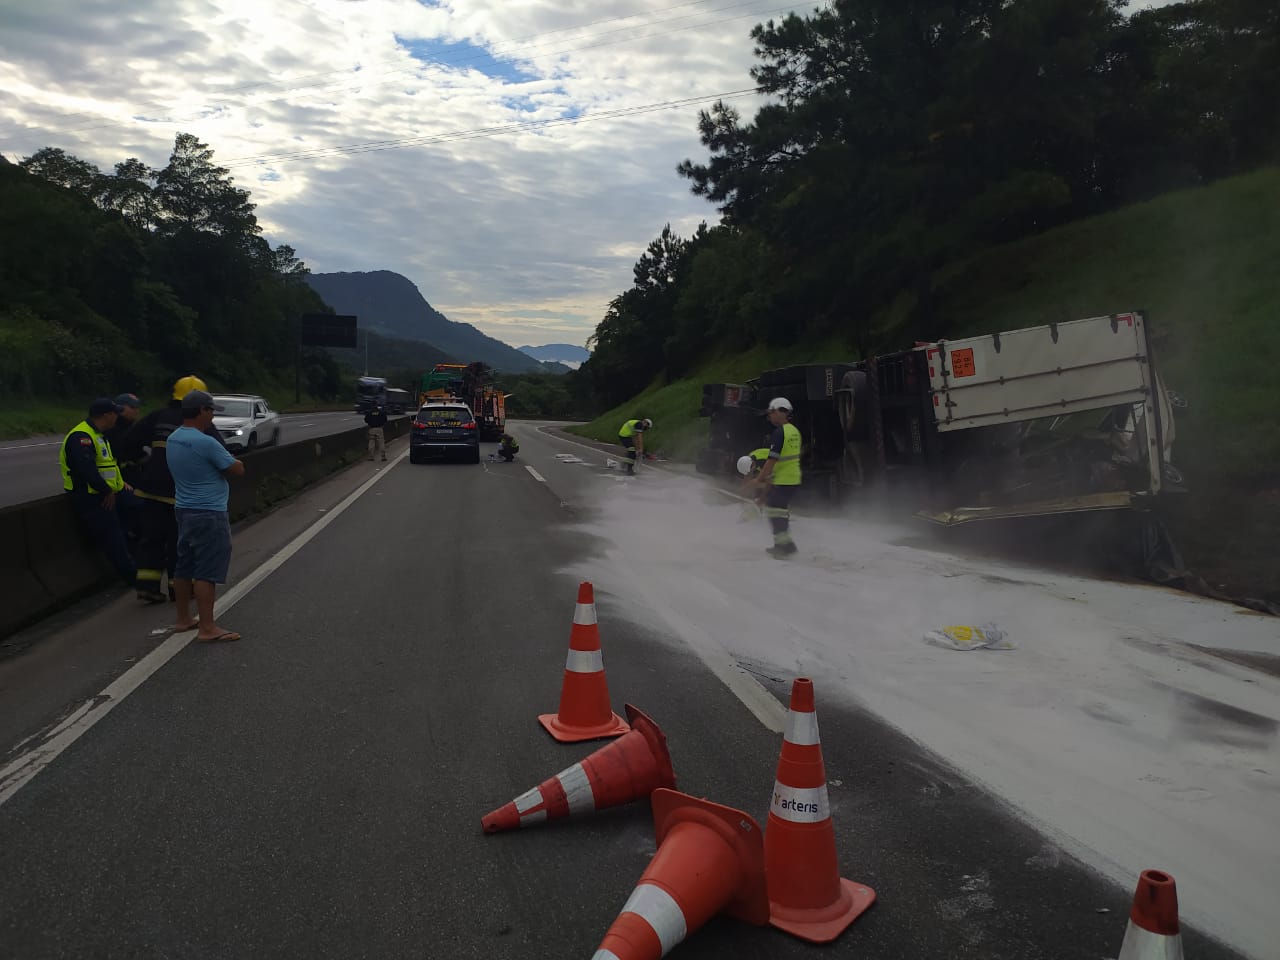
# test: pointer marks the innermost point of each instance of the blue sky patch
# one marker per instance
(464, 55)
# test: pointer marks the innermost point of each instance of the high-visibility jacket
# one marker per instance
(786, 472)
(103, 459)
(629, 429)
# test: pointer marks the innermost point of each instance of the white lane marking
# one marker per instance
(535, 474)
(28, 446)
(45, 747)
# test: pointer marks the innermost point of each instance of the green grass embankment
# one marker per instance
(678, 430)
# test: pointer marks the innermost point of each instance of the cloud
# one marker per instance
(525, 232)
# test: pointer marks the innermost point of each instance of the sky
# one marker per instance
(510, 157)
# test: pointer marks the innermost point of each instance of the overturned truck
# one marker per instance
(1054, 419)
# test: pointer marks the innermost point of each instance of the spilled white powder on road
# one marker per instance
(1106, 727)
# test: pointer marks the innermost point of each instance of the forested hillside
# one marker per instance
(392, 304)
(905, 136)
(122, 280)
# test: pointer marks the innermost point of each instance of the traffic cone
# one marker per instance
(1153, 932)
(807, 896)
(630, 768)
(709, 860)
(584, 712)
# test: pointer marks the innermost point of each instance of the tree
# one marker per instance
(57, 166)
(195, 194)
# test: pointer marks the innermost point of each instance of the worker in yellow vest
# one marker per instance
(95, 487)
(631, 436)
(781, 472)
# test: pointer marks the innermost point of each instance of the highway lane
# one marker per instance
(316, 789)
(29, 467)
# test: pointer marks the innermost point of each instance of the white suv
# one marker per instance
(247, 421)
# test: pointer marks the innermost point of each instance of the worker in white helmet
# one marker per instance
(781, 474)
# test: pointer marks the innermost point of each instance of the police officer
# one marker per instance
(781, 471)
(157, 546)
(95, 487)
(631, 436)
(376, 421)
(508, 447)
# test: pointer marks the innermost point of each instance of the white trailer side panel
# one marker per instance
(1040, 371)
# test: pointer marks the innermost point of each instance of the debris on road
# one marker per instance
(987, 636)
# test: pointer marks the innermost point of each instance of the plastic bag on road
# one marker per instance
(963, 637)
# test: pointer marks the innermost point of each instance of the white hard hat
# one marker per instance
(648, 424)
(744, 465)
(780, 403)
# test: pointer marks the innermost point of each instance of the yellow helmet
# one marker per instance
(186, 384)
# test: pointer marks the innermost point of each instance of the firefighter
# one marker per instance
(95, 487)
(508, 447)
(631, 436)
(157, 546)
(781, 474)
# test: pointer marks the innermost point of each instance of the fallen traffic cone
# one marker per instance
(630, 768)
(1153, 932)
(584, 712)
(709, 861)
(807, 895)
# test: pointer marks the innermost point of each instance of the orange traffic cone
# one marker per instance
(709, 860)
(584, 712)
(1153, 932)
(807, 896)
(630, 768)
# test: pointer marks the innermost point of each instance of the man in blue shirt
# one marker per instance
(200, 465)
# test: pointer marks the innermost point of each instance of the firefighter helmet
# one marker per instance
(186, 384)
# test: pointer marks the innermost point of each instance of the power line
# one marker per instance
(478, 133)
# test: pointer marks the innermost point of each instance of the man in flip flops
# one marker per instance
(200, 466)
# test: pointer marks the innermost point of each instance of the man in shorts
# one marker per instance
(200, 466)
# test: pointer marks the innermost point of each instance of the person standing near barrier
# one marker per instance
(200, 466)
(95, 487)
(130, 407)
(781, 471)
(631, 436)
(376, 421)
(157, 547)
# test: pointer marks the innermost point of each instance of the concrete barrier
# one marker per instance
(47, 561)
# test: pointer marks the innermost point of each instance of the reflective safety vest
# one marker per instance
(629, 429)
(786, 472)
(103, 458)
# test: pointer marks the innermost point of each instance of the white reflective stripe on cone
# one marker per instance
(802, 728)
(604, 955)
(584, 661)
(577, 789)
(528, 800)
(1142, 944)
(660, 910)
(584, 614)
(800, 804)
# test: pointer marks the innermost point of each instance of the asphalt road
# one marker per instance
(29, 468)
(316, 789)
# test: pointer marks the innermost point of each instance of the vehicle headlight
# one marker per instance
(239, 432)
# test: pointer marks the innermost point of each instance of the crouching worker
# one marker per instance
(508, 447)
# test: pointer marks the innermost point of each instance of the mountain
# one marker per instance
(391, 305)
(562, 353)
